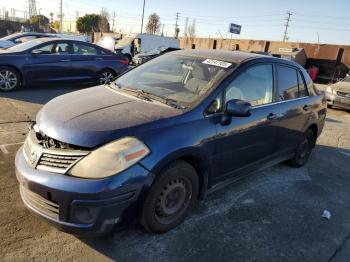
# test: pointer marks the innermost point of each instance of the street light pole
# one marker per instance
(143, 14)
(39, 17)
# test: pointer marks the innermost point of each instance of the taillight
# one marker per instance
(124, 62)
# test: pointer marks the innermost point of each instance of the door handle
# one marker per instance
(271, 116)
(99, 58)
(306, 107)
(65, 60)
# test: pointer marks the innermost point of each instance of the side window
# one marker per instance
(254, 85)
(302, 88)
(62, 48)
(81, 49)
(287, 81)
(47, 49)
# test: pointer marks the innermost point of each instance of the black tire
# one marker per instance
(10, 79)
(303, 150)
(105, 76)
(171, 197)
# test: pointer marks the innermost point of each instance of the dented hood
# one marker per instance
(98, 115)
(342, 86)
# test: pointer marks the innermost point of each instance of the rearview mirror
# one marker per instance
(237, 107)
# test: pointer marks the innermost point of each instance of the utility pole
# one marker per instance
(143, 14)
(113, 20)
(285, 35)
(185, 28)
(318, 37)
(61, 17)
(176, 25)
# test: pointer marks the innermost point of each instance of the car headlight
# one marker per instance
(110, 159)
(330, 90)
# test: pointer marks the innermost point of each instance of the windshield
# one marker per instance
(9, 37)
(123, 42)
(25, 46)
(347, 79)
(182, 79)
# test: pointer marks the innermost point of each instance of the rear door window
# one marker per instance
(287, 80)
(302, 87)
(82, 49)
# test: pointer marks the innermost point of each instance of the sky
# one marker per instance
(325, 21)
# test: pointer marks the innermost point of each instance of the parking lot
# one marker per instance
(274, 215)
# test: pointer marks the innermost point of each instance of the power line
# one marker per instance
(289, 14)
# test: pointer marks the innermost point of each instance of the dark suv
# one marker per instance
(147, 146)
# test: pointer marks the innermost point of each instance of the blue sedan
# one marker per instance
(56, 60)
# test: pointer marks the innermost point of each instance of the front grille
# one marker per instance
(343, 94)
(56, 160)
(57, 163)
(39, 203)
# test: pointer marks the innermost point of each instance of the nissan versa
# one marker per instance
(147, 146)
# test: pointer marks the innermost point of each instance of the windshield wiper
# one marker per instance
(150, 96)
(138, 92)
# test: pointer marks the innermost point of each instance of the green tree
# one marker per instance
(39, 20)
(88, 23)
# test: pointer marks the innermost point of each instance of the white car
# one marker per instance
(19, 38)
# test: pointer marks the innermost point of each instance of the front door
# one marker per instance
(247, 140)
(53, 64)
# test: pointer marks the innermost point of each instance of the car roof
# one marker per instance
(47, 39)
(235, 57)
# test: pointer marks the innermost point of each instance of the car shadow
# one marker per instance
(41, 94)
(259, 216)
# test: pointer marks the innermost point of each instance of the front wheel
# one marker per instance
(9, 79)
(105, 77)
(171, 197)
(303, 150)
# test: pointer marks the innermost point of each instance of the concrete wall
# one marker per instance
(316, 51)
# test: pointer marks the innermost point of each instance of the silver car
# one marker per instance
(338, 94)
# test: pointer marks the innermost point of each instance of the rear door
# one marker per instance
(295, 107)
(246, 141)
(51, 65)
(86, 62)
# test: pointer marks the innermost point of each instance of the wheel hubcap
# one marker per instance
(172, 200)
(106, 77)
(8, 80)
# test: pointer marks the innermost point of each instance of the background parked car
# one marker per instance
(49, 60)
(19, 38)
(145, 56)
(338, 94)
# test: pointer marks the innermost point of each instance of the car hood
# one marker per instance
(98, 115)
(342, 86)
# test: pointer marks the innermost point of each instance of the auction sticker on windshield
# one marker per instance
(218, 63)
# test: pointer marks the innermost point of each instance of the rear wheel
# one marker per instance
(9, 79)
(303, 150)
(171, 197)
(105, 77)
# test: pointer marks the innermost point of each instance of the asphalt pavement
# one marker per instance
(274, 215)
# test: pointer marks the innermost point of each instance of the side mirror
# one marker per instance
(237, 107)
